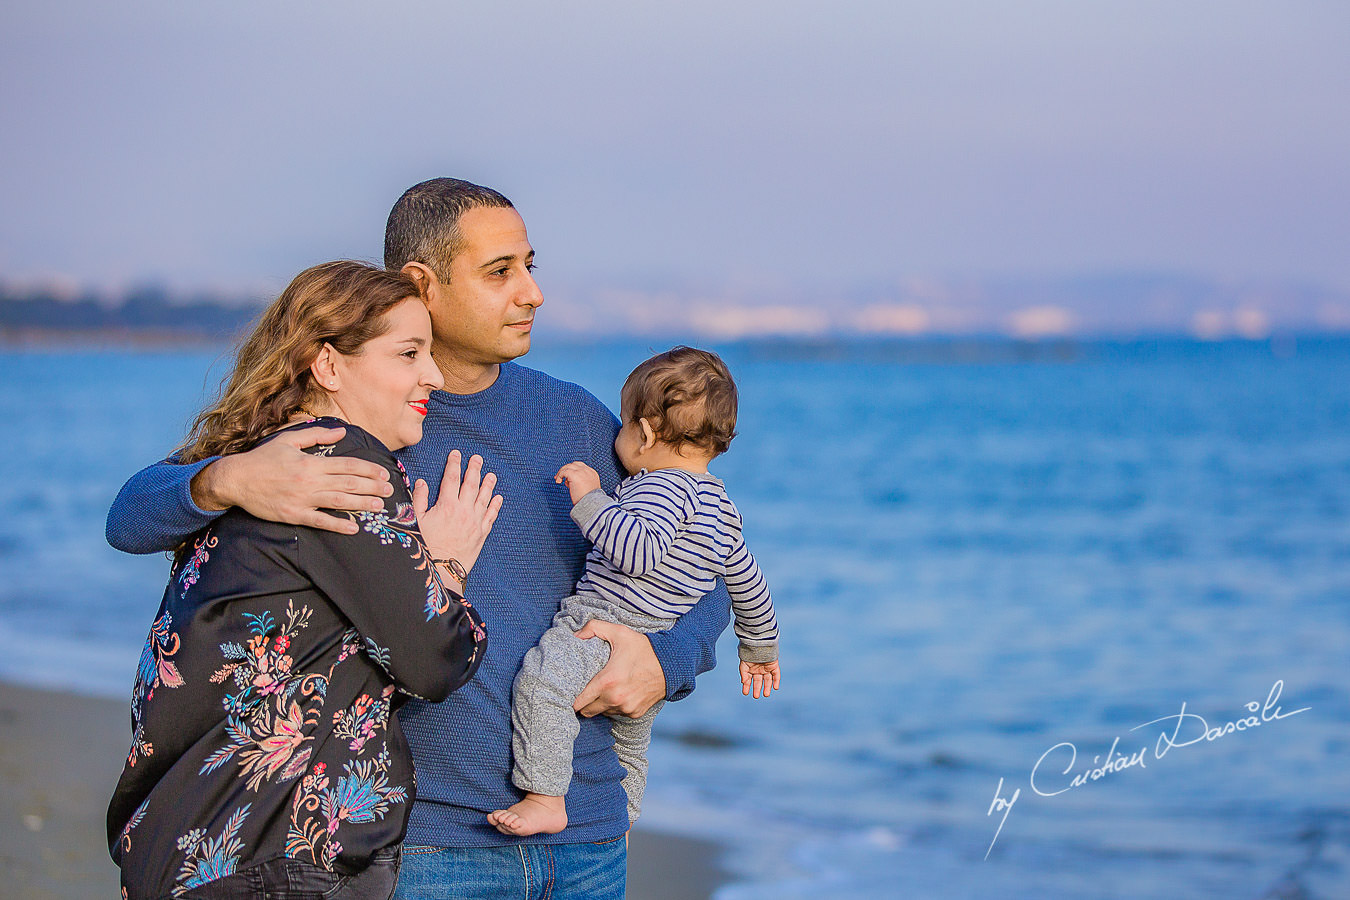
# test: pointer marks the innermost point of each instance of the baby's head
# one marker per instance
(678, 410)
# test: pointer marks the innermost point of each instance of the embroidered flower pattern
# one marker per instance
(209, 859)
(125, 839)
(155, 669)
(386, 529)
(273, 707)
(362, 795)
(363, 719)
(401, 529)
(192, 569)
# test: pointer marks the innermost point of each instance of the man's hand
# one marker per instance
(279, 482)
(762, 677)
(457, 526)
(581, 479)
(631, 682)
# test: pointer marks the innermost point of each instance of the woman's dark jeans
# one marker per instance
(291, 879)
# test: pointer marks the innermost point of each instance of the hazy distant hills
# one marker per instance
(1102, 305)
(1091, 306)
(137, 314)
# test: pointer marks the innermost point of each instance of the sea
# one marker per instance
(1059, 620)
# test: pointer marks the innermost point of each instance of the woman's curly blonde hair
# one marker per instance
(340, 303)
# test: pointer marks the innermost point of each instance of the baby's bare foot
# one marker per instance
(536, 814)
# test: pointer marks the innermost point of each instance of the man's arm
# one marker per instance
(645, 668)
(277, 480)
(154, 511)
(690, 647)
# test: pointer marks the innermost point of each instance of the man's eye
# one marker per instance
(530, 267)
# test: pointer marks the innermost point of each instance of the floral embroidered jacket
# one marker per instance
(261, 709)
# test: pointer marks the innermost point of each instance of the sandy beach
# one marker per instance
(61, 754)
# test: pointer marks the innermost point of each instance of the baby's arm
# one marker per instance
(756, 624)
(636, 535)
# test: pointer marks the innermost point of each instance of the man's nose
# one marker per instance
(530, 295)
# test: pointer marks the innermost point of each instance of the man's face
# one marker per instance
(484, 314)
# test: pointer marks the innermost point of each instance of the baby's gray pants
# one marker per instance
(543, 723)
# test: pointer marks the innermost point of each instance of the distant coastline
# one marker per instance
(1033, 312)
(920, 350)
(108, 338)
(145, 317)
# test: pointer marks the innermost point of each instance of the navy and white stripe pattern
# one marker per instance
(661, 545)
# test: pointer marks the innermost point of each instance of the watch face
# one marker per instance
(456, 569)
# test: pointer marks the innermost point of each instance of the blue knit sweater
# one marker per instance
(526, 426)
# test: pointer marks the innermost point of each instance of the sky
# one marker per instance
(747, 147)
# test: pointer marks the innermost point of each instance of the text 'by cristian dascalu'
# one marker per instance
(1055, 772)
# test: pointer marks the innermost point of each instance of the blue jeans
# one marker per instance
(529, 871)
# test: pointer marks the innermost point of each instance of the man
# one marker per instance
(467, 249)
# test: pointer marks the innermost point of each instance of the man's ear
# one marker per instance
(423, 277)
(648, 436)
(324, 368)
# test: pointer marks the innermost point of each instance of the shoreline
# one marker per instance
(61, 754)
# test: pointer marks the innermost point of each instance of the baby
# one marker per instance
(661, 543)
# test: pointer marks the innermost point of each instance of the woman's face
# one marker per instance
(384, 387)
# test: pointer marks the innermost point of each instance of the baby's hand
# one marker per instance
(762, 677)
(581, 479)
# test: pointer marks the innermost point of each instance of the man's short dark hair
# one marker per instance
(423, 226)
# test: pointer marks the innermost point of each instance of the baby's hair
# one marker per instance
(687, 396)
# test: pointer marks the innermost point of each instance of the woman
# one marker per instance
(265, 761)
